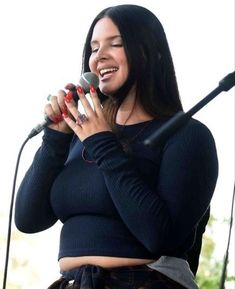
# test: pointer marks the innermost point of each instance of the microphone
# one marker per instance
(181, 118)
(85, 81)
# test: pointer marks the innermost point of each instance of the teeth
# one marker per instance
(107, 70)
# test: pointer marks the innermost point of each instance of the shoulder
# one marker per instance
(193, 128)
(194, 135)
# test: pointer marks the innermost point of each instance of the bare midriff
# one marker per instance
(68, 263)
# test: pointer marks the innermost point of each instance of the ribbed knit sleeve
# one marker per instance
(161, 218)
(33, 212)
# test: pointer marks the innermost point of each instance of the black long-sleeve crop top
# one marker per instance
(116, 199)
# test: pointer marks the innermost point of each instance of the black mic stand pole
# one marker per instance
(181, 118)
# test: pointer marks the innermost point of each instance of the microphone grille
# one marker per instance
(87, 79)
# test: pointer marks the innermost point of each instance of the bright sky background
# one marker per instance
(40, 52)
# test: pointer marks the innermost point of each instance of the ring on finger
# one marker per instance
(81, 119)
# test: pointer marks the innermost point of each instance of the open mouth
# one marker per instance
(105, 71)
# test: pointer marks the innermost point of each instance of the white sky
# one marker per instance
(40, 52)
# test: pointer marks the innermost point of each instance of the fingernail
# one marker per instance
(68, 96)
(79, 89)
(92, 88)
(64, 115)
(57, 119)
(64, 111)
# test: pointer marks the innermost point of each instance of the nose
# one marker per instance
(101, 55)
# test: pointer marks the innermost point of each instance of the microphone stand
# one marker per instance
(178, 121)
(181, 118)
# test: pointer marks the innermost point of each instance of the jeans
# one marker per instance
(96, 277)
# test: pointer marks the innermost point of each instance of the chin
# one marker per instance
(107, 92)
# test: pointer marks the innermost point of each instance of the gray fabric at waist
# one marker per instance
(177, 269)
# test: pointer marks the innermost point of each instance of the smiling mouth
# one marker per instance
(105, 71)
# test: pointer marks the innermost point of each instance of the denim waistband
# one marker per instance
(127, 277)
(98, 271)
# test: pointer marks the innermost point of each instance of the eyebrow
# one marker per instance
(109, 38)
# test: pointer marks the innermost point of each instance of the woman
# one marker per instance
(129, 213)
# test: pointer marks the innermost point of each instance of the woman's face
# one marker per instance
(108, 59)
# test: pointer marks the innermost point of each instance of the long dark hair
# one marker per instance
(149, 59)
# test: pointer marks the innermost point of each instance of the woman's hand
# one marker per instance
(56, 109)
(93, 119)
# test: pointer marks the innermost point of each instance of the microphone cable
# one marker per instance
(85, 81)
(11, 212)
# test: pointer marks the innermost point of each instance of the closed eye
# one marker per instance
(93, 50)
(117, 45)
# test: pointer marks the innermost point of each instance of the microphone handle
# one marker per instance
(39, 127)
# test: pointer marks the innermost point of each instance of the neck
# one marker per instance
(131, 112)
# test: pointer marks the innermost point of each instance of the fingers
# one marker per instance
(61, 95)
(90, 122)
(96, 101)
(63, 104)
(85, 102)
(56, 107)
(52, 109)
(89, 111)
(91, 106)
